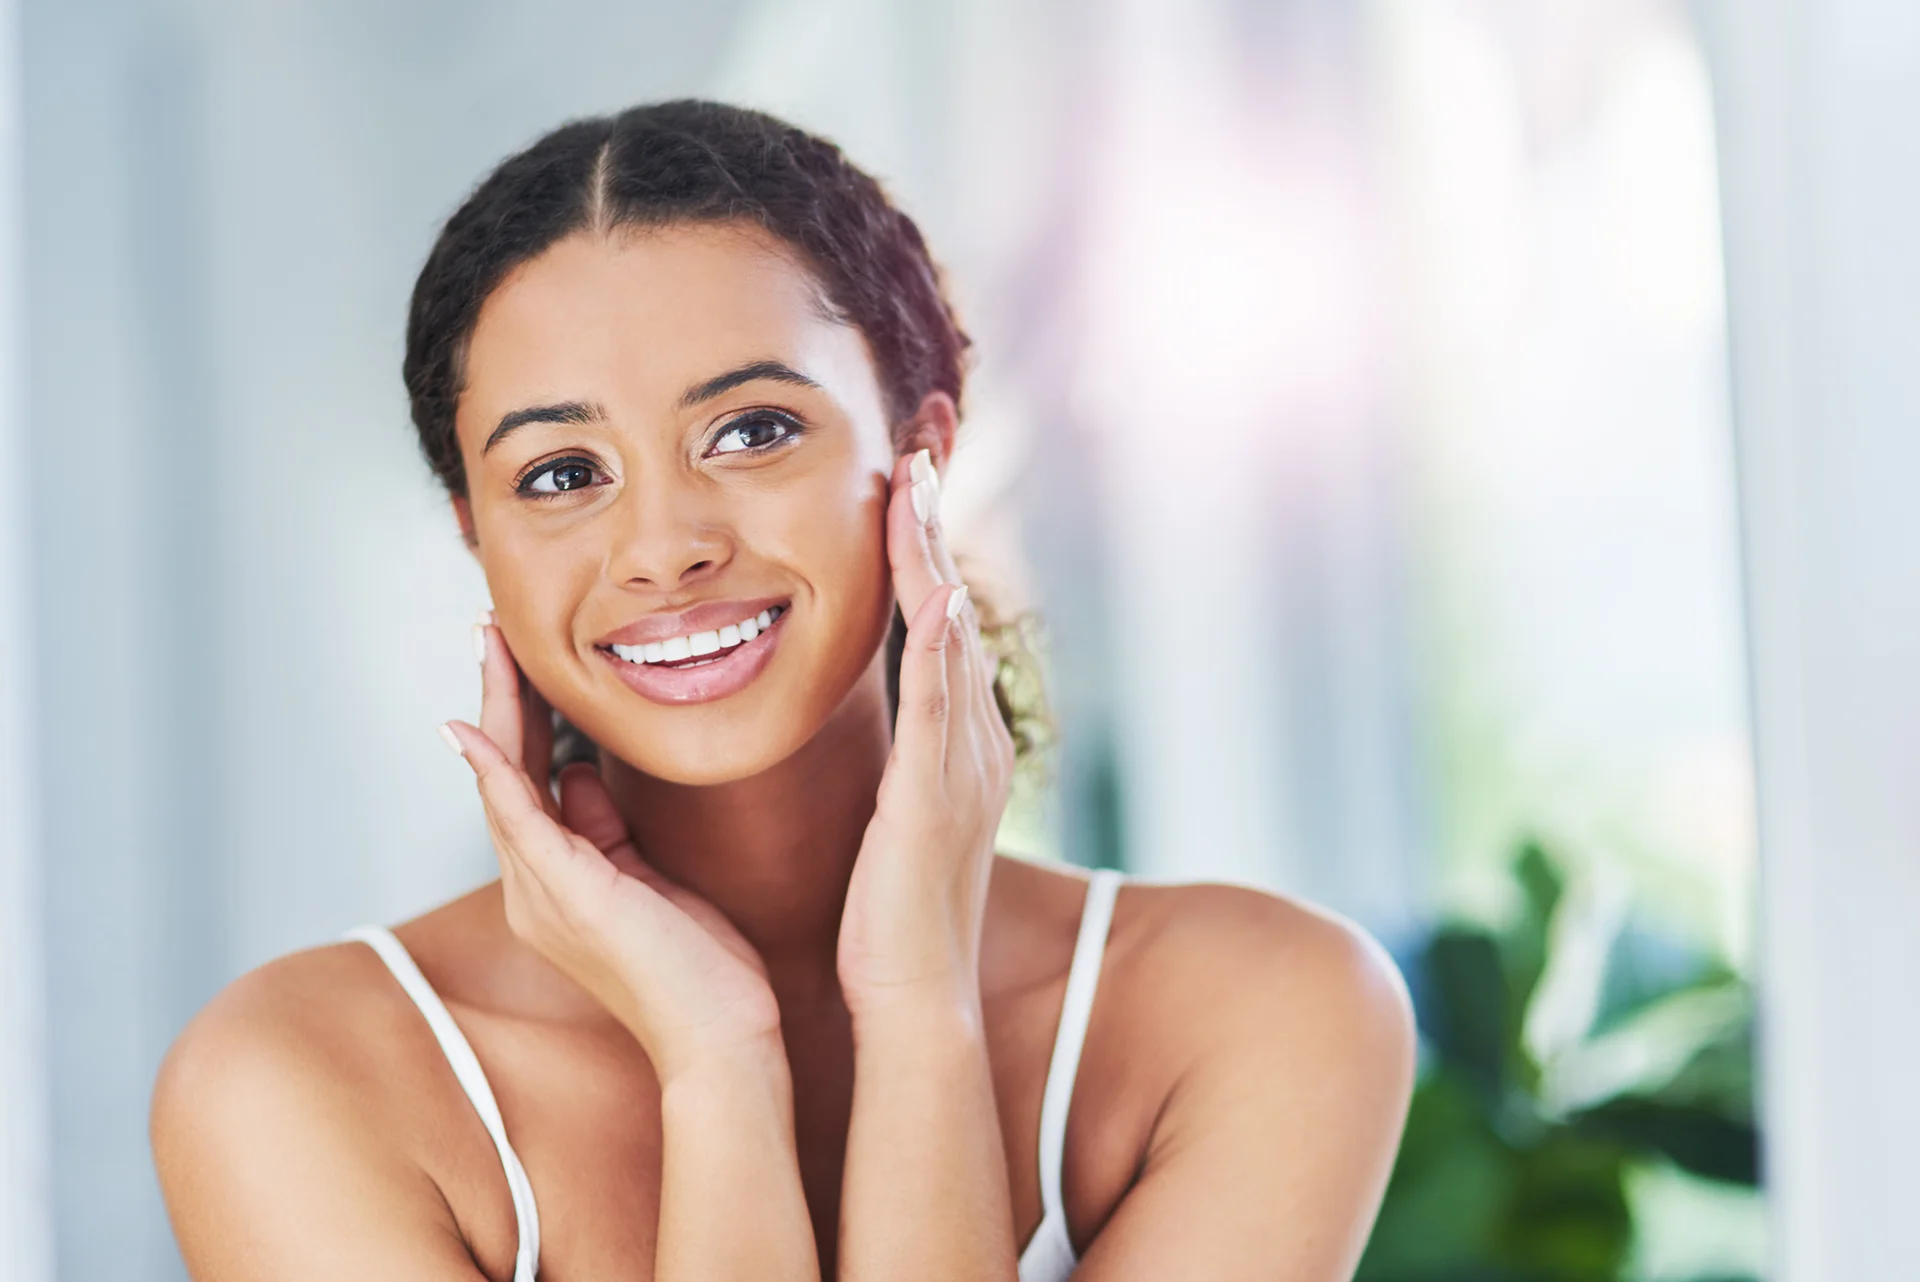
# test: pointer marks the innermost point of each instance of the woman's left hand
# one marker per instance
(911, 927)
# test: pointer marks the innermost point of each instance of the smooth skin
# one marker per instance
(757, 997)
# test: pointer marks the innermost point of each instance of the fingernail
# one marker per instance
(920, 467)
(486, 616)
(452, 741)
(923, 495)
(956, 602)
(480, 643)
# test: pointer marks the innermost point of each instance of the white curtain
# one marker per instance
(1821, 170)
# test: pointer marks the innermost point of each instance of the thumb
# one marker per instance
(586, 807)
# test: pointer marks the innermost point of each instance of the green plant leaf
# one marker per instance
(1470, 1023)
(1696, 1138)
(1570, 1220)
(1525, 950)
(1644, 968)
(1494, 1185)
(1719, 1076)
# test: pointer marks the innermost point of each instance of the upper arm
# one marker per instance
(1272, 1150)
(271, 1165)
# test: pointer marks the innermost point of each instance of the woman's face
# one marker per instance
(670, 447)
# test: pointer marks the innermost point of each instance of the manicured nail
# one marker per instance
(926, 486)
(956, 602)
(920, 467)
(452, 741)
(479, 643)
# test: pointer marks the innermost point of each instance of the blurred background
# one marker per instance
(1354, 402)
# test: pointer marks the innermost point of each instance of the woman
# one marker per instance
(754, 997)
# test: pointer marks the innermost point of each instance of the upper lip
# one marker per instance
(708, 616)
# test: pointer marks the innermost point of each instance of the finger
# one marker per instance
(976, 669)
(922, 472)
(536, 737)
(971, 667)
(975, 666)
(917, 568)
(936, 528)
(926, 705)
(586, 807)
(501, 718)
(994, 735)
(539, 859)
(522, 828)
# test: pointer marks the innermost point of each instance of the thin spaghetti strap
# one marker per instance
(466, 1067)
(1096, 915)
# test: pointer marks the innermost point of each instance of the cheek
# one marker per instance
(536, 585)
(830, 541)
(839, 547)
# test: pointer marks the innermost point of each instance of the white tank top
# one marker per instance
(1048, 1256)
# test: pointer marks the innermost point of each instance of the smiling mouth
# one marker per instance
(698, 649)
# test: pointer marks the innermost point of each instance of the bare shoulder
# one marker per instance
(303, 1027)
(278, 1125)
(1238, 965)
(1268, 1047)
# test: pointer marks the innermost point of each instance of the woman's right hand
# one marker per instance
(665, 962)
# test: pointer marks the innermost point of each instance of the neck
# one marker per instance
(775, 852)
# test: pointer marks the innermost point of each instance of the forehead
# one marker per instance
(645, 313)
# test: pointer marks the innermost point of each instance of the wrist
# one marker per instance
(743, 1068)
(741, 1104)
(935, 992)
(929, 1021)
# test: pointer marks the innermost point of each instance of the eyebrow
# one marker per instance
(721, 384)
(575, 412)
(583, 412)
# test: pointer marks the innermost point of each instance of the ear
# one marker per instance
(463, 516)
(932, 428)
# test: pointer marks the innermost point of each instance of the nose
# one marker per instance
(667, 537)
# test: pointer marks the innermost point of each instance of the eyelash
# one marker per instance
(523, 484)
(791, 427)
(791, 431)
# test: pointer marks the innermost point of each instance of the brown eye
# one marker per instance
(756, 431)
(558, 477)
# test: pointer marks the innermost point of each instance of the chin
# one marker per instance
(697, 760)
(738, 738)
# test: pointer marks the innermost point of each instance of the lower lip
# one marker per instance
(727, 674)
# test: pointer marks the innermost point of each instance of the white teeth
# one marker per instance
(700, 643)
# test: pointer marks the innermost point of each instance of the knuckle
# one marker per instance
(493, 770)
(936, 706)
